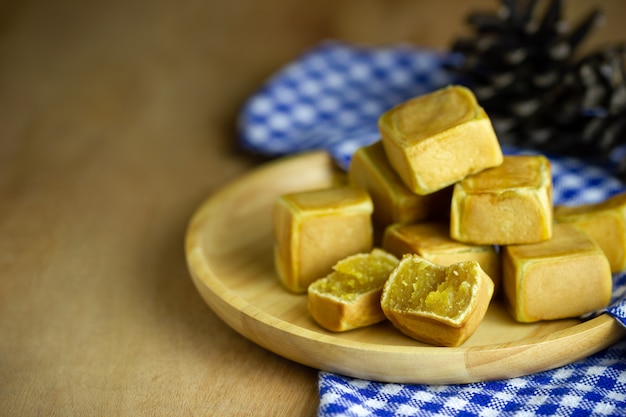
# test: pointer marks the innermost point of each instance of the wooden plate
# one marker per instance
(229, 253)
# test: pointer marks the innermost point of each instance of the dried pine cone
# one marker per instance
(524, 72)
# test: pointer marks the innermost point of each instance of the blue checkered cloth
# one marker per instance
(330, 98)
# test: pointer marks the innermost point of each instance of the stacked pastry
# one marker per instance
(434, 221)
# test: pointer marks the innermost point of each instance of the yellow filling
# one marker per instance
(357, 274)
(423, 287)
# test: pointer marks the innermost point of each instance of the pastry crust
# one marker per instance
(434, 304)
(315, 229)
(349, 297)
(604, 222)
(433, 141)
(566, 276)
(505, 205)
(393, 201)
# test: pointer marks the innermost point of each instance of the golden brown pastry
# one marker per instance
(349, 297)
(393, 201)
(604, 222)
(440, 305)
(431, 240)
(315, 229)
(566, 276)
(433, 141)
(508, 204)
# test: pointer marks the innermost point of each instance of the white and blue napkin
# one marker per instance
(330, 98)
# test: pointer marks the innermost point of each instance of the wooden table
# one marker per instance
(117, 119)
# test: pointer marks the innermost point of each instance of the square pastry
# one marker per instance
(435, 140)
(566, 276)
(393, 201)
(315, 229)
(604, 222)
(508, 204)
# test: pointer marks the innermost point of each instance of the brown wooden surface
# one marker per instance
(117, 119)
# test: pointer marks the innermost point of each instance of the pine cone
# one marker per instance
(524, 72)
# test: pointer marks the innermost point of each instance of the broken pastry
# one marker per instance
(431, 240)
(440, 305)
(349, 297)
